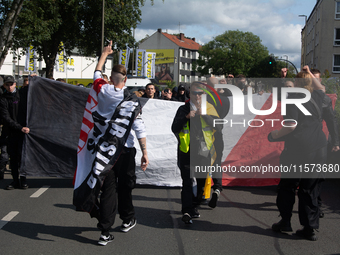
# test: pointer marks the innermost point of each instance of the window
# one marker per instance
(336, 64)
(337, 10)
(188, 78)
(188, 66)
(337, 37)
(316, 39)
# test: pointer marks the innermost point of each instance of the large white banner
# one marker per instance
(161, 145)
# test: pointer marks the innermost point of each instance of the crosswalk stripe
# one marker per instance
(7, 218)
(39, 191)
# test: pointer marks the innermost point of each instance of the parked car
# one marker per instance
(134, 83)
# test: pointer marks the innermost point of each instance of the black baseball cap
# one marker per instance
(9, 79)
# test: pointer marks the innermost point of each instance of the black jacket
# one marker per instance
(12, 112)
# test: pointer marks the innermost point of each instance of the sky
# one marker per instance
(276, 22)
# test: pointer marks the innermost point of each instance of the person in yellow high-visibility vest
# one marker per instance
(195, 135)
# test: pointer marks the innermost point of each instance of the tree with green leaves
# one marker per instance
(44, 24)
(9, 12)
(234, 52)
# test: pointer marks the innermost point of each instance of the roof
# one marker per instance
(184, 43)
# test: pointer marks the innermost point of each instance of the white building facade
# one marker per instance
(75, 69)
(177, 54)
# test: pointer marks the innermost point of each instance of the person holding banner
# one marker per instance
(110, 147)
(195, 137)
(13, 116)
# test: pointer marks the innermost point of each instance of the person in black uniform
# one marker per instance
(305, 143)
(4, 158)
(13, 115)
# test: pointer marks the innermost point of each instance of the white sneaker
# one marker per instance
(125, 227)
(104, 240)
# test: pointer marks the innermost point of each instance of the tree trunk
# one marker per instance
(8, 28)
(50, 51)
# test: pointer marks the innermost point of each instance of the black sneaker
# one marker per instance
(307, 233)
(24, 186)
(214, 198)
(321, 214)
(104, 240)
(196, 214)
(23, 183)
(204, 201)
(186, 218)
(125, 227)
(282, 226)
(13, 185)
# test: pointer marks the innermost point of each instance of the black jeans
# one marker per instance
(119, 183)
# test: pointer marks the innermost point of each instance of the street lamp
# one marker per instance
(305, 40)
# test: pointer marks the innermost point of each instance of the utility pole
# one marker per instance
(103, 22)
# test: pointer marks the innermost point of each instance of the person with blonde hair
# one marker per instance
(195, 134)
(305, 144)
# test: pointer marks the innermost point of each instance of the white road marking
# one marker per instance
(7, 218)
(40, 191)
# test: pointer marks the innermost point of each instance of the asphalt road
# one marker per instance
(240, 224)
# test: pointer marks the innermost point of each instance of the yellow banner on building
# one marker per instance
(75, 81)
(164, 56)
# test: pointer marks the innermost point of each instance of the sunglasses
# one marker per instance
(197, 93)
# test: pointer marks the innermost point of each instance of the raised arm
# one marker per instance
(316, 83)
(106, 52)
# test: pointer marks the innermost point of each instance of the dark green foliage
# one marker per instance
(78, 24)
(234, 52)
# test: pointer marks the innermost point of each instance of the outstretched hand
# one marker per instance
(284, 72)
(108, 49)
(306, 69)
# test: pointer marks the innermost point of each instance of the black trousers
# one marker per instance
(4, 157)
(117, 191)
(308, 192)
(189, 201)
(14, 147)
(217, 176)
